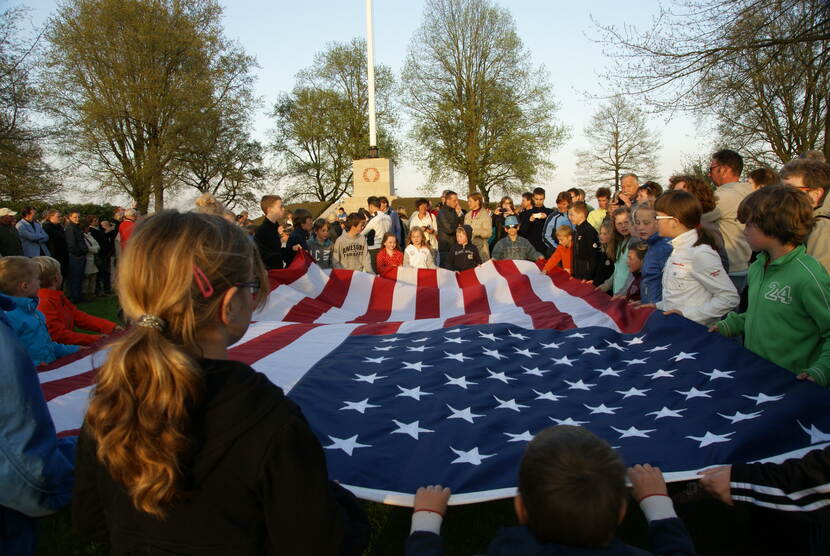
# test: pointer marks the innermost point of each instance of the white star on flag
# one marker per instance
(637, 340)
(387, 348)
(454, 331)
(552, 345)
(460, 357)
(763, 398)
(471, 456)
(360, 407)
(658, 348)
(579, 335)
(666, 412)
(465, 414)
(563, 361)
(590, 350)
(568, 421)
(346, 444)
(632, 431)
(391, 340)
(579, 385)
(632, 392)
(695, 393)
(816, 435)
(367, 378)
(412, 429)
(607, 372)
(500, 376)
(517, 335)
(521, 437)
(488, 336)
(414, 393)
(547, 396)
(525, 352)
(710, 438)
(375, 359)
(614, 345)
(717, 374)
(493, 353)
(417, 366)
(630, 362)
(458, 340)
(660, 373)
(460, 381)
(535, 371)
(683, 355)
(509, 404)
(738, 417)
(419, 340)
(419, 348)
(602, 408)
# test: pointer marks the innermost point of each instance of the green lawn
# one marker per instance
(716, 529)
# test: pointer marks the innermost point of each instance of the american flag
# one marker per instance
(443, 377)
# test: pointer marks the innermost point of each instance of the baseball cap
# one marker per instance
(511, 221)
(7, 212)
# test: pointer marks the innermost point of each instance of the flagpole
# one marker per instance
(370, 59)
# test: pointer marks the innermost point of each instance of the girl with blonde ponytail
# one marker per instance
(182, 450)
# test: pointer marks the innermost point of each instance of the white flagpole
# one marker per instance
(370, 59)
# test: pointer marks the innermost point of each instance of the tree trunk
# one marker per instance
(472, 184)
(826, 148)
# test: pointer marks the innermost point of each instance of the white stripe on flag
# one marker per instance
(68, 410)
(356, 302)
(500, 297)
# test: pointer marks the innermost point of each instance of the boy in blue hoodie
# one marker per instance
(20, 280)
(571, 498)
(37, 468)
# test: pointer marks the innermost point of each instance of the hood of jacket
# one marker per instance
(824, 208)
(25, 304)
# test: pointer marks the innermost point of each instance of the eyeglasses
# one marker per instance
(665, 217)
(254, 285)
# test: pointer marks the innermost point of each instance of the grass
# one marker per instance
(717, 530)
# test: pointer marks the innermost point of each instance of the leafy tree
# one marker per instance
(24, 174)
(760, 67)
(322, 124)
(481, 111)
(127, 81)
(621, 142)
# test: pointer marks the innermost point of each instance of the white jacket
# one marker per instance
(427, 220)
(92, 249)
(695, 283)
(380, 223)
(415, 257)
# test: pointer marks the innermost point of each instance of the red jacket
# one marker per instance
(125, 230)
(388, 262)
(564, 256)
(62, 317)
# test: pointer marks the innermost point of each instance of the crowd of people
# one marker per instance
(184, 451)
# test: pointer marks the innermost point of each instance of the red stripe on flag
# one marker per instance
(377, 329)
(253, 350)
(72, 432)
(473, 292)
(56, 388)
(427, 299)
(333, 295)
(380, 301)
(297, 269)
(544, 314)
(471, 319)
(629, 319)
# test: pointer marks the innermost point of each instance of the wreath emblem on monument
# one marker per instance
(371, 174)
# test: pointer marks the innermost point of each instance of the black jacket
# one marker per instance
(586, 252)
(532, 231)
(57, 241)
(106, 246)
(448, 221)
(463, 257)
(75, 243)
(267, 239)
(10, 242)
(258, 483)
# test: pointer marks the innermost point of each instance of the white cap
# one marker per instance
(7, 212)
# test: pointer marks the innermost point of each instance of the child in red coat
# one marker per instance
(61, 315)
(389, 257)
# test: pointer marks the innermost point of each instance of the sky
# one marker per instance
(284, 37)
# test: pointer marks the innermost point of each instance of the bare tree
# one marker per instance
(760, 67)
(621, 142)
(481, 110)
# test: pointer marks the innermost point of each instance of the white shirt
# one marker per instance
(695, 283)
(427, 220)
(418, 257)
(380, 223)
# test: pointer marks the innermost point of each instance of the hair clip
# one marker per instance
(202, 281)
(151, 321)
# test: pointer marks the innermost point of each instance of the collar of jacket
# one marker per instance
(686, 239)
(46, 293)
(6, 303)
(763, 257)
(25, 304)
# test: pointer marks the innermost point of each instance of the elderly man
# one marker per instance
(627, 196)
(725, 171)
(9, 240)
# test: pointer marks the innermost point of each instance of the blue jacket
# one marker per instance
(668, 538)
(33, 238)
(397, 226)
(554, 220)
(36, 468)
(651, 286)
(29, 325)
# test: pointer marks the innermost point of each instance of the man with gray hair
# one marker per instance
(627, 195)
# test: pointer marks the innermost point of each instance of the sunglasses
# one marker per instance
(511, 227)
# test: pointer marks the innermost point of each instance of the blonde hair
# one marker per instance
(49, 269)
(208, 204)
(177, 267)
(424, 242)
(564, 230)
(13, 271)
